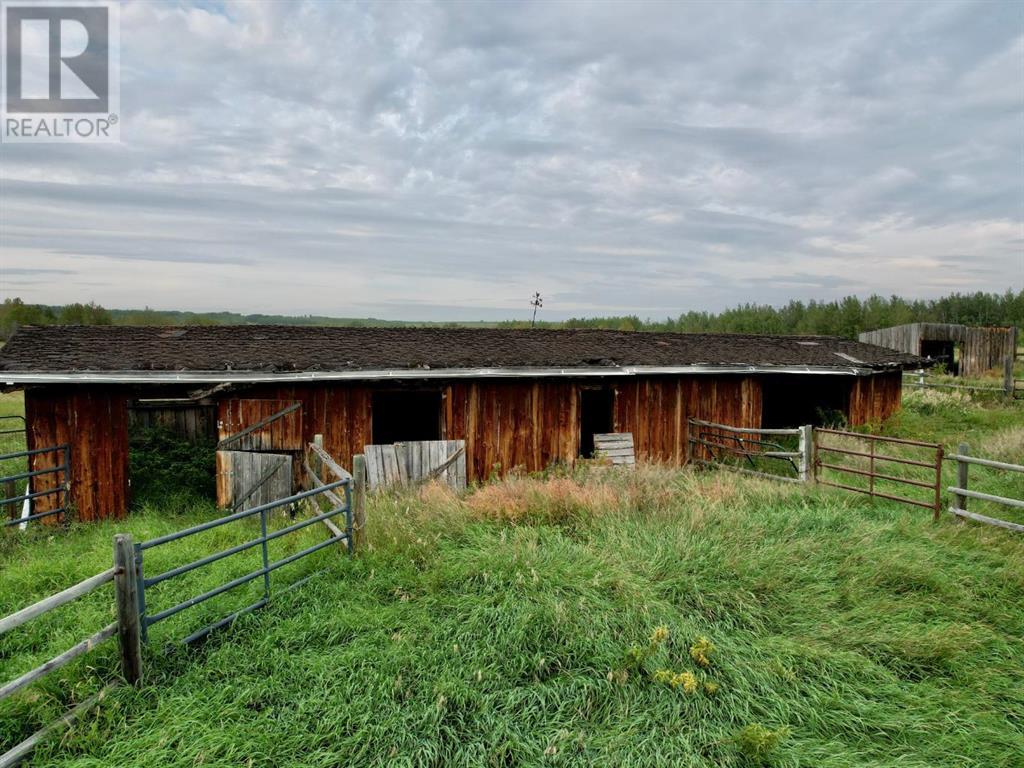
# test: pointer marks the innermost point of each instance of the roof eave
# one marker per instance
(14, 378)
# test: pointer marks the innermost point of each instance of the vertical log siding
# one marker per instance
(506, 423)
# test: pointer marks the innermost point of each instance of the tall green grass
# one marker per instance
(513, 626)
(497, 629)
(12, 404)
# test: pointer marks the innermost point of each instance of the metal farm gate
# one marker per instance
(12, 434)
(854, 462)
(28, 494)
(751, 451)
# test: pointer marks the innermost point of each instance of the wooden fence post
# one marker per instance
(129, 634)
(806, 452)
(358, 501)
(317, 465)
(1008, 376)
(961, 475)
(315, 462)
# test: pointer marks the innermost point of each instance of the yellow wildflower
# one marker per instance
(701, 651)
(660, 635)
(688, 681)
(664, 676)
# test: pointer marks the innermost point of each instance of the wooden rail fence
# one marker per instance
(961, 492)
(922, 379)
(719, 441)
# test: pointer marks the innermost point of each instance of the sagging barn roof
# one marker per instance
(127, 354)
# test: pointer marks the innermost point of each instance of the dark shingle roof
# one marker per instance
(288, 349)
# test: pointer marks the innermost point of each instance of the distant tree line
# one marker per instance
(845, 317)
(15, 312)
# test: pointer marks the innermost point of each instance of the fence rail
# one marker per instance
(346, 497)
(924, 380)
(961, 492)
(933, 483)
(145, 583)
(745, 444)
(12, 432)
(62, 484)
(44, 606)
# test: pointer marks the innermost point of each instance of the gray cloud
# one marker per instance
(437, 160)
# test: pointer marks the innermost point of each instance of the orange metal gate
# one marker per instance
(846, 457)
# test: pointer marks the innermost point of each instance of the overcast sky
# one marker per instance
(443, 161)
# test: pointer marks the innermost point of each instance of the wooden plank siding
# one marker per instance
(981, 348)
(531, 424)
(874, 399)
(282, 434)
(239, 472)
(93, 420)
(505, 423)
(985, 349)
(191, 421)
(534, 423)
(508, 424)
(615, 447)
(656, 410)
(413, 462)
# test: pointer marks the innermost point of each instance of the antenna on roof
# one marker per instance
(536, 302)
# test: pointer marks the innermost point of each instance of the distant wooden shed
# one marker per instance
(965, 350)
(518, 398)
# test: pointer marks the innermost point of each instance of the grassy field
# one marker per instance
(11, 404)
(661, 617)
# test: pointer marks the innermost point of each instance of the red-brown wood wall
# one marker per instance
(525, 423)
(506, 423)
(236, 415)
(657, 410)
(874, 399)
(93, 420)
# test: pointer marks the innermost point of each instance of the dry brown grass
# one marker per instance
(1006, 445)
(557, 500)
(590, 493)
(689, 498)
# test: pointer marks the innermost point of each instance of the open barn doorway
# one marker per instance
(597, 406)
(943, 352)
(172, 444)
(406, 415)
(792, 401)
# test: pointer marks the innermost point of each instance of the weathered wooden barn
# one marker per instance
(964, 350)
(518, 398)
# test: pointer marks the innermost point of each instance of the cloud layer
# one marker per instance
(443, 161)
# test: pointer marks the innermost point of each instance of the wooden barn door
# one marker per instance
(403, 464)
(252, 479)
(258, 443)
